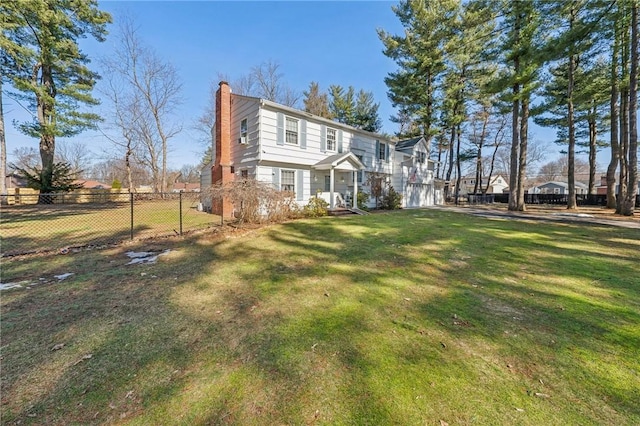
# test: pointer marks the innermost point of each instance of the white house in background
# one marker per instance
(497, 185)
(414, 174)
(558, 188)
(307, 154)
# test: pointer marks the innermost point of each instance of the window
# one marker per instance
(382, 151)
(244, 174)
(421, 158)
(291, 131)
(288, 180)
(360, 172)
(327, 183)
(331, 139)
(243, 128)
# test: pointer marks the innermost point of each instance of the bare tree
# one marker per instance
(76, 154)
(150, 93)
(26, 158)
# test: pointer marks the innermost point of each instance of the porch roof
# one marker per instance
(342, 161)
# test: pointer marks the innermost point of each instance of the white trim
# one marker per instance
(297, 120)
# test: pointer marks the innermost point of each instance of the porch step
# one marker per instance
(358, 211)
(339, 212)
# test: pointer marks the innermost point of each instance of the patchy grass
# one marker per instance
(29, 228)
(402, 318)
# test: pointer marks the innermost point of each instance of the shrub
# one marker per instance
(116, 184)
(391, 200)
(316, 207)
(363, 199)
(257, 202)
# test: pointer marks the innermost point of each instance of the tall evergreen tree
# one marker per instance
(420, 57)
(51, 72)
(316, 102)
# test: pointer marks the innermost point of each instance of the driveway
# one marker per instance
(591, 216)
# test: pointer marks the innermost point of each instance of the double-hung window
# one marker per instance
(291, 131)
(243, 131)
(288, 180)
(360, 172)
(331, 139)
(421, 157)
(382, 151)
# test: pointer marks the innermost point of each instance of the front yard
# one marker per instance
(412, 317)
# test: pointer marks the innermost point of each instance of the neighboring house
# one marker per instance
(91, 184)
(301, 152)
(14, 180)
(413, 174)
(497, 185)
(185, 187)
(602, 188)
(559, 188)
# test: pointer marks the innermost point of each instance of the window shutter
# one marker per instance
(303, 134)
(376, 155)
(276, 177)
(339, 141)
(280, 135)
(323, 138)
(386, 152)
(300, 185)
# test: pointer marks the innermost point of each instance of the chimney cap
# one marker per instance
(223, 83)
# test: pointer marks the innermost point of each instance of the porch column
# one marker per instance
(354, 199)
(331, 199)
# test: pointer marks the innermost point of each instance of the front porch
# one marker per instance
(335, 179)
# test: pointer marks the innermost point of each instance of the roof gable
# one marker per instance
(408, 145)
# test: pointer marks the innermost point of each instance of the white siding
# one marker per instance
(266, 174)
(245, 156)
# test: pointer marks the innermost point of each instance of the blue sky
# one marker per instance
(327, 42)
(331, 42)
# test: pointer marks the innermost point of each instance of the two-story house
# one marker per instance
(307, 154)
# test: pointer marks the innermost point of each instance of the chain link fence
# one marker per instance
(62, 221)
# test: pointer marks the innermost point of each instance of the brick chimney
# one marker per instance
(221, 170)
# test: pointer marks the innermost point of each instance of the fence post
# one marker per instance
(131, 214)
(180, 198)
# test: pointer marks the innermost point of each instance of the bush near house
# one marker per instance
(391, 199)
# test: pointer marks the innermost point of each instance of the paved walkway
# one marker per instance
(562, 217)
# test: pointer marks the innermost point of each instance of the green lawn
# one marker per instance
(29, 228)
(412, 318)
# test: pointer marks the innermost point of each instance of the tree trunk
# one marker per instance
(615, 145)
(515, 140)
(515, 147)
(629, 204)
(3, 154)
(458, 166)
(452, 142)
(571, 157)
(522, 157)
(624, 121)
(593, 148)
(45, 112)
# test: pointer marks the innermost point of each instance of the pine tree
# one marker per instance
(316, 102)
(51, 72)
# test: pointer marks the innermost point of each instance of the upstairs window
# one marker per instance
(421, 158)
(382, 151)
(288, 180)
(360, 172)
(331, 139)
(243, 128)
(291, 131)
